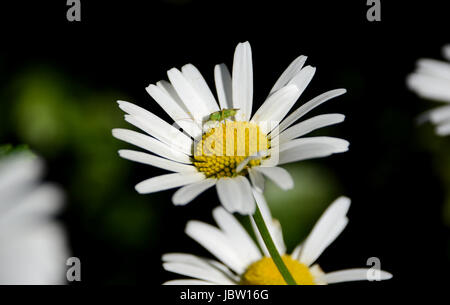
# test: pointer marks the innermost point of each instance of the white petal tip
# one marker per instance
(191, 225)
(139, 188)
(342, 146)
(150, 88)
(289, 186)
(249, 210)
(172, 71)
(386, 275)
(122, 152)
(178, 201)
(344, 199)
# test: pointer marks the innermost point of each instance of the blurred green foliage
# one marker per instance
(69, 124)
(9, 149)
(44, 112)
(315, 187)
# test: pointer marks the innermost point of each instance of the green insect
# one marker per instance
(222, 114)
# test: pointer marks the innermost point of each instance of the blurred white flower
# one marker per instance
(243, 263)
(234, 154)
(33, 246)
(431, 80)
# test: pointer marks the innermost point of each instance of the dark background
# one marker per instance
(394, 171)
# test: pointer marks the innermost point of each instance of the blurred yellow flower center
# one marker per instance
(264, 272)
(223, 147)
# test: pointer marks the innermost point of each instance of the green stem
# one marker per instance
(268, 241)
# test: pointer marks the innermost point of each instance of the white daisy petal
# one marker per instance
(242, 164)
(332, 141)
(156, 127)
(444, 129)
(437, 115)
(182, 258)
(303, 78)
(247, 202)
(201, 273)
(188, 282)
(145, 158)
(293, 69)
(233, 276)
(446, 52)
(429, 87)
(263, 206)
(33, 255)
(18, 170)
(278, 175)
(150, 144)
(317, 274)
(434, 68)
(227, 194)
(273, 226)
(324, 231)
(240, 239)
(308, 148)
(197, 81)
(168, 181)
(33, 204)
(187, 193)
(259, 155)
(357, 274)
(223, 82)
(167, 88)
(257, 180)
(235, 194)
(276, 107)
(33, 248)
(334, 231)
(216, 242)
(310, 125)
(301, 81)
(194, 102)
(305, 108)
(296, 252)
(172, 104)
(242, 81)
(183, 119)
(201, 262)
(431, 80)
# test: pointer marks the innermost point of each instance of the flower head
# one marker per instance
(431, 80)
(241, 261)
(221, 143)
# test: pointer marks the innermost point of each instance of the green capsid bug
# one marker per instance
(222, 114)
(216, 116)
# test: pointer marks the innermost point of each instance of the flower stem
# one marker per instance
(268, 241)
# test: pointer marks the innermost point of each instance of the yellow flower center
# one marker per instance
(264, 272)
(223, 147)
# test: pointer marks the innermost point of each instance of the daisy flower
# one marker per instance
(32, 246)
(431, 80)
(242, 263)
(232, 152)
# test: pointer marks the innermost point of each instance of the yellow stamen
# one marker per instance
(222, 148)
(264, 272)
